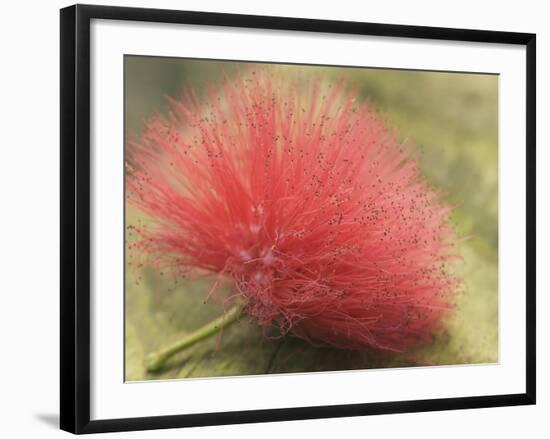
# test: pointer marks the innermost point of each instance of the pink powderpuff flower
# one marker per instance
(303, 197)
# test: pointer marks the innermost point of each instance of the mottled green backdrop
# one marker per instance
(452, 118)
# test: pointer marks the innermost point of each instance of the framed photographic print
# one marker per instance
(268, 218)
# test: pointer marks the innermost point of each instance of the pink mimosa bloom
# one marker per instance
(301, 196)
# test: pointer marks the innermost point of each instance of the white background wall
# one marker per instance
(29, 206)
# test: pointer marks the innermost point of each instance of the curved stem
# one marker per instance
(155, 360)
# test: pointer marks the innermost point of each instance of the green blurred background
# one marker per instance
(452, 118)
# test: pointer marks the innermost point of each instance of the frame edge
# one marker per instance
(531, 215)
(75, 219)
(67, 419)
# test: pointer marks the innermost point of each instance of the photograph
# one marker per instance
(268, 220)
(297, 218)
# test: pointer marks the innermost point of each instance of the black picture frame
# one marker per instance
(75, 217)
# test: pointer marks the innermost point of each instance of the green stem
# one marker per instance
(155, 360)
